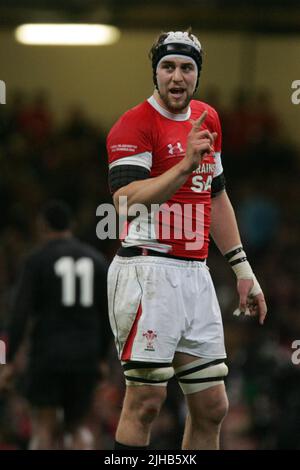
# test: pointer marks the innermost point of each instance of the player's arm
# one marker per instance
(161, 188)
(224, 230)
(152, 190)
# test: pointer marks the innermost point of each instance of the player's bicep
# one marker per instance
(124, 168)
(122, 175)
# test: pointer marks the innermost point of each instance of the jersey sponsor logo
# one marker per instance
(175, 149)
(150, 336)
(123, 148)
(205, 168)
(199, 184)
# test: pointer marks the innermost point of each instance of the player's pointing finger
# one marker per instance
(198, 123)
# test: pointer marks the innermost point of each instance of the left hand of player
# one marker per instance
(253, 305)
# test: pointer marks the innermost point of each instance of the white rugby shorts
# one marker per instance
(159, 306)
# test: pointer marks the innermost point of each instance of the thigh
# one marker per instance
(124, 297)
(204, 335)
(146, 306)
(181, 359)
(196, 375)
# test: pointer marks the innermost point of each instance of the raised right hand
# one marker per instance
(199, 144)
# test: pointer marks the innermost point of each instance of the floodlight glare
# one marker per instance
(67, 34)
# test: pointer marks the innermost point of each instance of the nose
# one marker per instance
(177, 75)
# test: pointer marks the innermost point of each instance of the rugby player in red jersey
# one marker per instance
(165, 156)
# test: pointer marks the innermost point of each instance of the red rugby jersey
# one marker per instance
(152, 137)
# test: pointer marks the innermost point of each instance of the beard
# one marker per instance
(173, 105)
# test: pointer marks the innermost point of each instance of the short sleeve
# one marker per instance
(129, 142)
(218, 146)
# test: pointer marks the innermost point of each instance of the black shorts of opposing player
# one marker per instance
(70, 391)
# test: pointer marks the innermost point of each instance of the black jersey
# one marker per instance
(62, 290)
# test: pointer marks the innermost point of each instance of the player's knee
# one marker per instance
(146, 386)
(218, 411)
(147, 404)
(149, 409)
(214, 412)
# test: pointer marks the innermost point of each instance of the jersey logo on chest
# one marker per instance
(175, 149)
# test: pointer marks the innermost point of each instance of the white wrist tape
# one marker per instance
(237, 258)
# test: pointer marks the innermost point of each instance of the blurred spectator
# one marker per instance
(259, 217)
(35, 120)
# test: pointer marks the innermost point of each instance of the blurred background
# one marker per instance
(61, 102)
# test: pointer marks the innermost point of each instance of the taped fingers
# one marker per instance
(255, 306)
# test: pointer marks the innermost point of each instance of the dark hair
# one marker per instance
(159, 40)
(57, 215)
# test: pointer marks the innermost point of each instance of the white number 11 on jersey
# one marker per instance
(68, 269)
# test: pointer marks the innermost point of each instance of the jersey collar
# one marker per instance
(164, 112)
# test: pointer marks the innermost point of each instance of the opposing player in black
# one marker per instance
(62, 295)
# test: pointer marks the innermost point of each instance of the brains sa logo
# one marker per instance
(150, 336)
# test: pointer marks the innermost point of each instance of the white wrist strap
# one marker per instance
(237, 258)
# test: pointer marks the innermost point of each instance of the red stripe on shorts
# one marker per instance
(127, 350)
